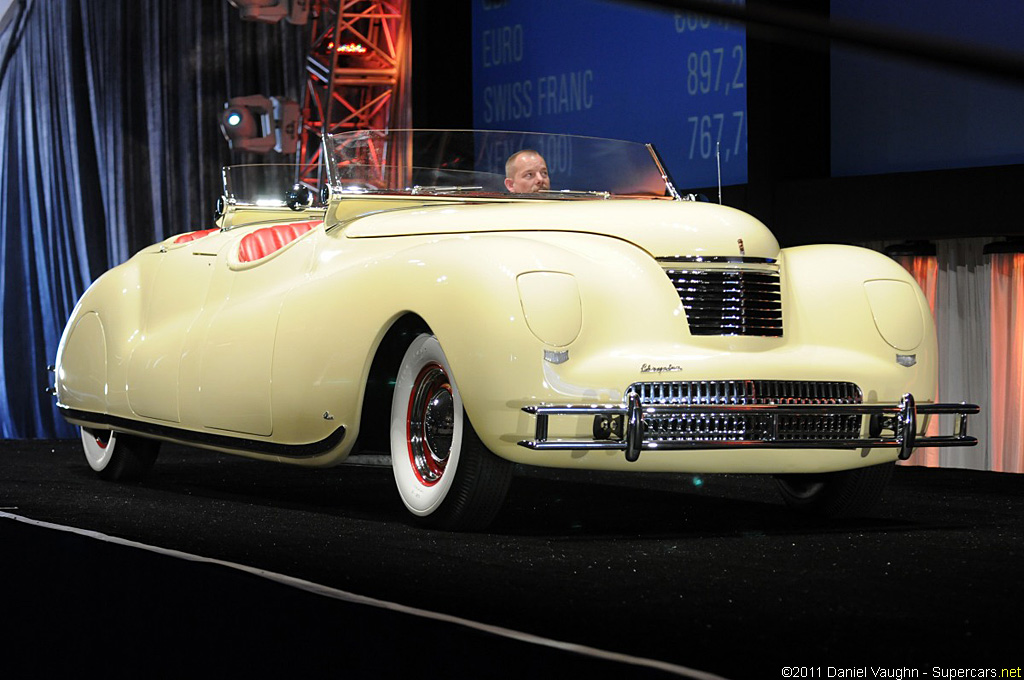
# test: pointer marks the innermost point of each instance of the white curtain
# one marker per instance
(962, 323)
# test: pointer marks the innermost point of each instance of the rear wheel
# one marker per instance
(118, 456)
(836, 494)
(446, 477)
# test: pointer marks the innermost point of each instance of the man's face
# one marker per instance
(529, 174)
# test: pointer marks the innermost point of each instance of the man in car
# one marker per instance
(526, 172)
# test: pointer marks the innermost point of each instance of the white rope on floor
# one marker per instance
(354, 598)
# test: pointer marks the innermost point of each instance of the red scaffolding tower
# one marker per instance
(358, 70)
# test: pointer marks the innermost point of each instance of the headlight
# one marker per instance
(896, 311)
(551, 306)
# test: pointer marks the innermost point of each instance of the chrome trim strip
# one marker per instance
(219, 441)
(717, 259)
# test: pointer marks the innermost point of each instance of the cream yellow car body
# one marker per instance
(533, 302)
(280, 349)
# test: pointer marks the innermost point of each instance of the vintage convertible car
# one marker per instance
(421, 312)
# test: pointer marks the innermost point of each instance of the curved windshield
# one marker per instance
(473, 162)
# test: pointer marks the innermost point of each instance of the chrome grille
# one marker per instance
(743, 427)
(729, 301)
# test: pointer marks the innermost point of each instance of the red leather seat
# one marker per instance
(193, 235)
(263, 242)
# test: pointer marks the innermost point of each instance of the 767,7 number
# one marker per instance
(706, 134)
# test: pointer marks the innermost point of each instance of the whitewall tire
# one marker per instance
(445, 476)
(118, 456)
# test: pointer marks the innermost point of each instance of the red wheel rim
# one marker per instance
(430, 420)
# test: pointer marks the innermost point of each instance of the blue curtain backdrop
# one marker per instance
(109, 141)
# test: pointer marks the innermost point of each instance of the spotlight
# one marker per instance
(247, 125)
(260, 124)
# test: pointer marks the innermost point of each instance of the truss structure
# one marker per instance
(357, 74)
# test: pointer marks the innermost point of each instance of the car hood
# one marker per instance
(662, 228)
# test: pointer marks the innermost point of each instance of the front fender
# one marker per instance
(844, 296)
(475, 306)
(464, 287)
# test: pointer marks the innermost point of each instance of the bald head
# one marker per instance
(526, 172)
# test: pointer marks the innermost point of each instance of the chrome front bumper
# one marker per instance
(889, 426)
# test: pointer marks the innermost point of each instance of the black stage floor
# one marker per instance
(711, 574)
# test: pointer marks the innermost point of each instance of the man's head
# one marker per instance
(526, 172)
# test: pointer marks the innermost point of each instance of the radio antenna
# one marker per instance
(718, 160)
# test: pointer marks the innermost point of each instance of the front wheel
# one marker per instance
(116, 456)
(836, 494)
(446, 477)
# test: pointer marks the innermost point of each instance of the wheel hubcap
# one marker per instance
(431, 423)
(439, 424)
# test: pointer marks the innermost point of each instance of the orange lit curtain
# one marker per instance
(1007, 349)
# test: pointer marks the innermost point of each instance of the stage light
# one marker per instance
(347, 48)
(272, 11)
(351, 48)
(260, 124)
(247, 125)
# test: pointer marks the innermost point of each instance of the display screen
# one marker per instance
(896, 115)
(608, 69)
